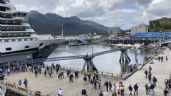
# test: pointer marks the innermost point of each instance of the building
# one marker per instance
(114, 32)
(140, 28)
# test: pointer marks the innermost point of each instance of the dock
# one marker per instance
(161, 70)
(49, 86)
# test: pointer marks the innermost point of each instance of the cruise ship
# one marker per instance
(16, 35)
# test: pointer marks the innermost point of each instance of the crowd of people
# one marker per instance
(91, 78)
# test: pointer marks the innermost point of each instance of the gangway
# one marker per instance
(88, 58)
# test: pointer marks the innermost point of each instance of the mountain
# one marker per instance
(51, 23)
(160, 25)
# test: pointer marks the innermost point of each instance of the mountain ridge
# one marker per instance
(51, 23)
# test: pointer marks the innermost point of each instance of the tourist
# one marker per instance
(166, 83)
(149, 77)
(68, 72)
(50, 74)
(114, 87)
(154, 81)
(150, 68)
(84, 92)
(76, 74)
(89, 76)
(26, 83)
(61, 75)
(99, 82)
(60, 92)
(152, 89)
(147, 89)
(95, 84)
(101, 93)
(121, 89)
(146, 73)
(130, 89)
(85, 78)
(71, 76)
(136, 89)
(165, 92)
(106, 85)
(19, 82)
(45, 73)
(8, 71)
(57, 68)
(36, 72)
(110, 86)
(166, 58)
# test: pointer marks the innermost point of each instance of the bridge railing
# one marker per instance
(104, 74)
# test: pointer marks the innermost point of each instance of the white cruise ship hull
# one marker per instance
(10, 47)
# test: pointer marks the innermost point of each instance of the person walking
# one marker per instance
(136, 89)
(60, 92)
(110, 86)
(152, 89)
(154, 81)
(149, 77)
(166, 58)
(106, 85)
(84, 92)
(76, 74)
(26, 83)
(150, 68)
(130, 90)
(19, 82)
(147, 89)
(114, 87)
(146, 73)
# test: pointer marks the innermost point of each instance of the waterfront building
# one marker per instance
(140, 28)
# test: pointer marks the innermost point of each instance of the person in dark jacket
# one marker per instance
(130, 90)
(165, 92)
(154, 81)
(84, 92)
(149, 77)
(136, 89)
(147, 89)
(152, 89)
(110, 86)
(146, 73)
(106, 84)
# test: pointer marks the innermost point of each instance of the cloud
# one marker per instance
(122, 13)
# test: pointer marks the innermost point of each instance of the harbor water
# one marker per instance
(105, 63)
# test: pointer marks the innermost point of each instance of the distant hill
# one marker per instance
(163, 24)
(51, 23)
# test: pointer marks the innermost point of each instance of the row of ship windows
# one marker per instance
(15, 28)
(9, 48)
(12, 15)
(19, 40)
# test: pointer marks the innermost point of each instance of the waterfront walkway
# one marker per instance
(49, 86)
(161, 70)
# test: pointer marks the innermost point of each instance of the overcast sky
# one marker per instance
(122, 13)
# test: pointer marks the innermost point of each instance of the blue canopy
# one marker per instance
(148, 35)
